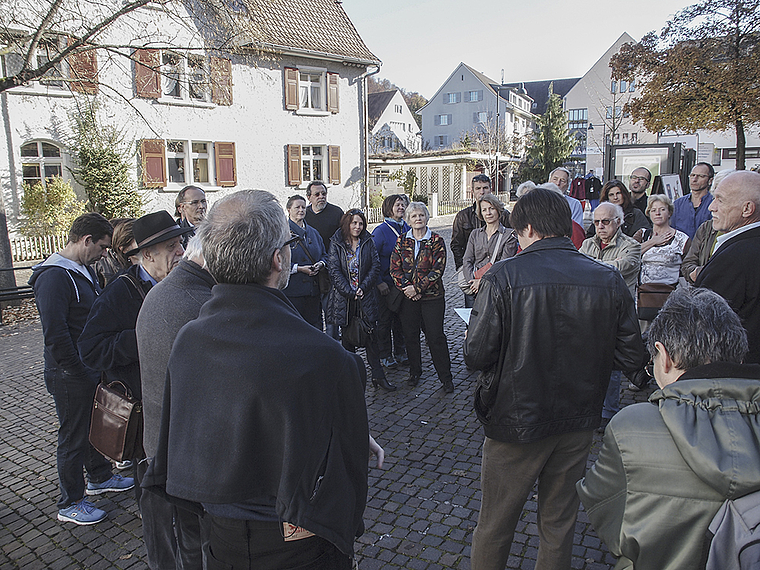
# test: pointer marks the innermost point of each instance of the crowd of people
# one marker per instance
(557, 318)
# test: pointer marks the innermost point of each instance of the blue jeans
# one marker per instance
(612, 399)
(73, 396)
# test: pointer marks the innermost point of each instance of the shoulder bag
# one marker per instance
(478, 273)
(116, 422)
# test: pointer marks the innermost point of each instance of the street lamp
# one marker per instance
(604, 141)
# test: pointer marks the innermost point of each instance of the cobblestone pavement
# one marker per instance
(421, 510)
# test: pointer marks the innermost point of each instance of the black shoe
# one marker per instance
(402, 358)
(448, 386)
(413, 380)
(384, 384)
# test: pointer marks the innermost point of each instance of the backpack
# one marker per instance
(732, 541)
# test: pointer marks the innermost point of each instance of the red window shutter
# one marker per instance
(83, 67)
(332, 92)
(147, 76)
(226, 173)
(153, 160)
(291, 88)
(294, 164)
(221, 81)
(334, 153)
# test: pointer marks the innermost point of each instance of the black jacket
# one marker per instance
(464, 222)
(548, 326)
(336, 311)
(274, 409)
(108, 342)
(733, 272)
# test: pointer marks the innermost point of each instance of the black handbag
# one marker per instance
(116, 422)
(359, 329)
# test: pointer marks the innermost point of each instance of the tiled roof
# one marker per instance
(310, 26)
(376, 104)
(539, 91)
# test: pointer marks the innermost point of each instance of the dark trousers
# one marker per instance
(244, 545)
(416, 314)
(390, 337)
(469, 301)
(507, 476)
(310, 309)
(172, 535)
(73, 396)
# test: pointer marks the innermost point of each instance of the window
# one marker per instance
(443, 120)
(176, 163)
(398, 108)
(577, 119)
(178, 78)
(442, 140)
(632, 86)
(306, 163)
(749, 152)
(77, 72)
(474, 95)
(634, 138)
(623, 85)
(450, 98)
(40, 161)
(625, 138)
(613, 87)
(480, 117)
(311, 91)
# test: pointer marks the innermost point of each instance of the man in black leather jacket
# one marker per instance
(541, 389)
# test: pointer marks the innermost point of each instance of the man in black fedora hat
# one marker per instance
(108, 342)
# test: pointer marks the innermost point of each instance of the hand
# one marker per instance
(317, 267)
(474, 284)
(307, 269)
(377, 451)
(410, 291)
(663, 238)
(417, 297)
(383, 288)
(359, 293)
(694, 274)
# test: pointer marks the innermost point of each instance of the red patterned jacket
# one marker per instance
(425, 272)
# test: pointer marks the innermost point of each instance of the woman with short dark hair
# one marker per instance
(615, 192)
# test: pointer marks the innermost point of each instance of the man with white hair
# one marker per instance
(273, 414)
(733, 271)
(561, 177)
(612, 247)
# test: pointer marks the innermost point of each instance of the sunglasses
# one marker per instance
(604, 222)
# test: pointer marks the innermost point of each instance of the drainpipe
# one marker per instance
(365, 136)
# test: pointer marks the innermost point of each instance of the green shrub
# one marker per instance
(49, 209)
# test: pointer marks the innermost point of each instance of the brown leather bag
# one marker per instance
(651, 298)
(116, 422)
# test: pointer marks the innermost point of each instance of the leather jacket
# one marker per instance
(547, 329)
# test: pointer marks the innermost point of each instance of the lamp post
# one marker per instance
(604, 141)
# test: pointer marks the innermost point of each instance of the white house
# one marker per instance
(468, 103)
(392, 124)
(274, 105)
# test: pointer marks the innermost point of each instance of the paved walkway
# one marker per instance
(421, 510)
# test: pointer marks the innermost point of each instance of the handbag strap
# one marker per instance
(306, 251)
(131, 278)
(395, 231)
(496, 251)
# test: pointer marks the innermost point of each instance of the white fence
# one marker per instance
(28, 249)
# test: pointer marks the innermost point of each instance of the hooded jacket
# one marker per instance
(665, 469)
(64, 297)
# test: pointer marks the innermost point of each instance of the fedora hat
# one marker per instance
(155, 228)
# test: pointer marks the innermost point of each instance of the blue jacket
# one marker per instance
(64, 298)
(300, 284)
(686, 219)
(336, 311)
(385, 240)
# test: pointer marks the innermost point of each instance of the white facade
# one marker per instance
(292, 117)
(395, 130)
(466, 103)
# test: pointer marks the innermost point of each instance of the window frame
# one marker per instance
(164, 150)
(58, 84)
(329, 91)
(42, 162)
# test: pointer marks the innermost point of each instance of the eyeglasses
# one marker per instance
(639, 178)
(195, 203)
(604, 221)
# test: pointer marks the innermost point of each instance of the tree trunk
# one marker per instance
(741, 144)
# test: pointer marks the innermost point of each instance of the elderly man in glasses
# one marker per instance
(191, 206)
(612, 247)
